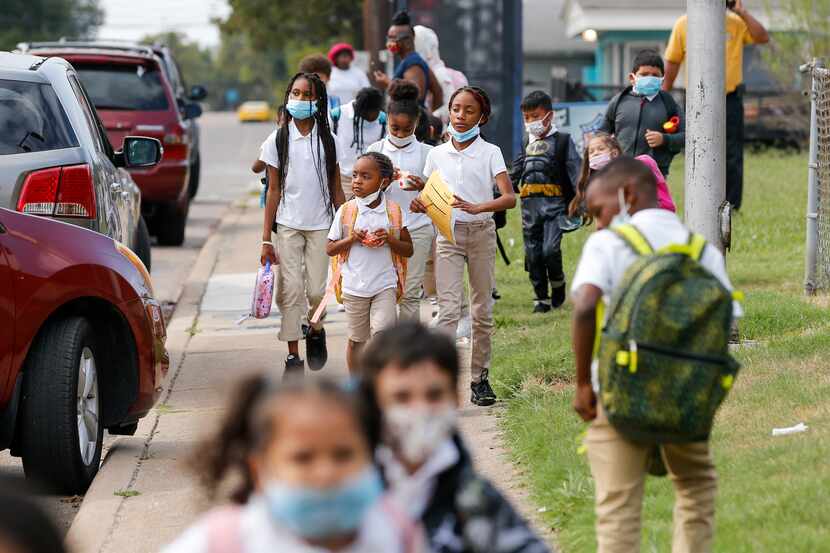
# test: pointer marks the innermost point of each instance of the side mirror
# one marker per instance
(197, 93)
(139, 151)
(192, 110)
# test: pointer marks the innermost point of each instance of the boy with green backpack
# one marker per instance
(653, 309)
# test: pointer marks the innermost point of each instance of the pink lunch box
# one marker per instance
(263, 292)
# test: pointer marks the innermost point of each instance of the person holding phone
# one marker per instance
(741, 29)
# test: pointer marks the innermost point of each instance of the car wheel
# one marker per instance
(170, 225)
(61, 429)
(193, 183)
(142, 243)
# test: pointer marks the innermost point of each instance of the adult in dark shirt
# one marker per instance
(400, 41)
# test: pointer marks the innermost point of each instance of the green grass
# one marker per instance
(773, 492)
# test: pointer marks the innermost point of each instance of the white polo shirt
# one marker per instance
(348, 152)
(470, 173)
(368, 271)
(305, 203)
(606, 257)
(411, 159)
(344, 84)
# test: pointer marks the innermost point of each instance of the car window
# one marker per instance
(89, 114)
(124, 87)
(32, 119)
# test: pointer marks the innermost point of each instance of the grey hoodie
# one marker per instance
(629, 116)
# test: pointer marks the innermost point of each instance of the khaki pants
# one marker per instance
(301, 277)
(346, 184)
(619, 470)
(430, 288)
(422, 238)
(475, 246)
(368, 316)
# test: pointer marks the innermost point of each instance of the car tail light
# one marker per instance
(59, 191)
(156, 318)
(176, 143)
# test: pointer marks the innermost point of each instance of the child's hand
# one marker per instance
(585, 402)
(655, 139)
(414, 182)
(465, 206)
(381, 237)
(358, 236)
(417, 207)
(268, 253)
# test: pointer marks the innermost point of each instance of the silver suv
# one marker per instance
(55, 158)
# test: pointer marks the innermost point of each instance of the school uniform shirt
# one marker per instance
(411, 159)
(606, 257)
(346, 144)
(469, 173)
(368, 271)
(305, 203)
(256, 532)
(344, 84)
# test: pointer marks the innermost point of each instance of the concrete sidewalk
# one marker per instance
(145, 495)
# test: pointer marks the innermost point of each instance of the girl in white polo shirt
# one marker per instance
(357, 125)
(369, 240)
(409, 157)
(304, 190)
(470, 166)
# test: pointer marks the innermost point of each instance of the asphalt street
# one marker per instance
(227, 150)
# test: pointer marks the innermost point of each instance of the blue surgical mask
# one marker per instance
(324, 513)
(465, 136)
(301, 109)
(647, 86)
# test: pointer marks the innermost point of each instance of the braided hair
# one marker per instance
(385, 166)
(368, 100)
(481, 97)
(325, 159)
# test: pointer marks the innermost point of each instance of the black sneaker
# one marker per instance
(294, 367)
(496, 295)
(541, 306)
(483, 395)
(557, 297)
(315, 349)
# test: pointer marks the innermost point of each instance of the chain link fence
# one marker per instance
(818, 209)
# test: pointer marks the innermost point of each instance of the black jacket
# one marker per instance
(628, 117)
(467, 514)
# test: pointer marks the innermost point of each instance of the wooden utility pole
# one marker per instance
(375, 19)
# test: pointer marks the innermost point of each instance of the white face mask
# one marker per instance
(401, 142)
(539, 128)
(369, 199)
(623, 217)
(415, 433)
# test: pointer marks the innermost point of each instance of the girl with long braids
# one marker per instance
(409, 157)
(304, 192)
(357, 124)
(370, 243)
(471, 167)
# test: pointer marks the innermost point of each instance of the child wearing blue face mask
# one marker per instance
(638, 115)
(303, 450)
(471, 167)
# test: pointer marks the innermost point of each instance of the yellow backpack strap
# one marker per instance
(693, 248)
(393, 211)
(348, 220)
(634, 238)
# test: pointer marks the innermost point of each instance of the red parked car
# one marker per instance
(133, 95)
(82, 346)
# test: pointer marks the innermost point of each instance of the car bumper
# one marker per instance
(166, 182)
(150, 333)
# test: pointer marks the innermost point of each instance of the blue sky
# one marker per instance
(132, 19)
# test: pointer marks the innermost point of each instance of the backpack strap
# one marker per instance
(334, 288)
(693, 248)
(395, 214)
(634, 238)
(335, 118)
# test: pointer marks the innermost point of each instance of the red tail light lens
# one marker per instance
(176, 143)
(59, 191)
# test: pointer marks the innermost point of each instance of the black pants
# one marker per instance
(735, 147)
(543, 241)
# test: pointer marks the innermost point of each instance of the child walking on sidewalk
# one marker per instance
(304, 190)
(470, 166)
(300, 455)
(357, 125)
(369, 243)
(409, 158)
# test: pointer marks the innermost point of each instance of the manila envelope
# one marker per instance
(437, 198)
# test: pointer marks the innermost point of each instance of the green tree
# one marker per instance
(277, 25)
(805, 35)
(196, 63)
(33, 20)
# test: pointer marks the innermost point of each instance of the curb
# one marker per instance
(98, 515)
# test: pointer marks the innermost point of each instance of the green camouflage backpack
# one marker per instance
(664, 363)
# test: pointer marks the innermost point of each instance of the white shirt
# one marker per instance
(606, 257)
(372, 132)
(411, 159)
(368, 271)
(305, 203)
(259, 534)
(470, 173)
(344, 84)
(413, 492)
